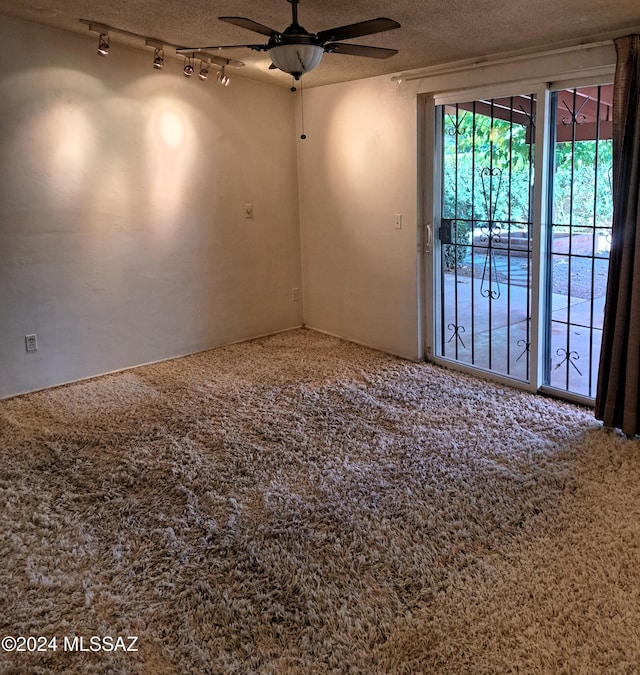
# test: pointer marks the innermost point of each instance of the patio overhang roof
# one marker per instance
(589, 107)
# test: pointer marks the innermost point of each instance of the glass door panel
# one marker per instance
(486, 233)
(581, 214)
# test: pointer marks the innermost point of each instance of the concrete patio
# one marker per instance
(492, 333)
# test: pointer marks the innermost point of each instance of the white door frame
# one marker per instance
(429, 216)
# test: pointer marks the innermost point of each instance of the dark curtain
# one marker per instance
(618, 392)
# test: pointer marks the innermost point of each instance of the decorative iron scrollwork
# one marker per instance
(574, 115)
(455, 334)
(491, 231)
(457, 129)
(569, 357)
(531, 117)
(526, 348)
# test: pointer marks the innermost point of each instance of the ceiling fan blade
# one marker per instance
(353, 30)
(249, 25)
(359, 50)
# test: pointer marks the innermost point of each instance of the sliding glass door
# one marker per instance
(484, 254)
(485, 233)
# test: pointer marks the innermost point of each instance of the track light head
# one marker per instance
(204, 70)
(103, 44)
(158, 58)
(222, 77)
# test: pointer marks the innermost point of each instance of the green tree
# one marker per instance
(473, 142)
(582, 184)
(487, 175)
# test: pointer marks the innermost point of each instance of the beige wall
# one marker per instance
(357, 170)
(122, 236)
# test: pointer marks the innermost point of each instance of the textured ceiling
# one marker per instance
(432, 32)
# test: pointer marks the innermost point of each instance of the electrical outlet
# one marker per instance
(31, 342)
(295, 295)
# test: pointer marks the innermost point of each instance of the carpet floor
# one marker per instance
(300, 504)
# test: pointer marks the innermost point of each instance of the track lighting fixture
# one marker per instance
(103, 44)
(222, 77)
(159, 46)
(158, 58)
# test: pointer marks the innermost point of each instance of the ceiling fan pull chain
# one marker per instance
(302, 135)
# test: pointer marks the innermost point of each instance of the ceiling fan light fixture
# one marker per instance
(296, 59)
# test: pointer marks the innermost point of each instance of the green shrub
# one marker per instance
(454, 254)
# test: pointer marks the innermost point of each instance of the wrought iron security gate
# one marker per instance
(581, 214)
(485, 236)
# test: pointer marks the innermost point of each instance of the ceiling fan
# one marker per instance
(296, 51)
